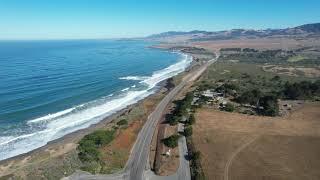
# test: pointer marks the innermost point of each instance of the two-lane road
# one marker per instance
(137, 163)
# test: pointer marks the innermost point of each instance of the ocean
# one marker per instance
(52, 88)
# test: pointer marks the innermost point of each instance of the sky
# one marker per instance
(92, 19)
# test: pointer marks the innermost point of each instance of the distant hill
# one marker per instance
(175, 33)
(299, 31)
(311, 28)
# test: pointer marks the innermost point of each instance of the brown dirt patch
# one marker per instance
(116, 154)
(169, 164)
(127, 137)
(254, 147)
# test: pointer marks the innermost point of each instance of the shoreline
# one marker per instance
(74, 137)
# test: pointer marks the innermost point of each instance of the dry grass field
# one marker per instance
(242, 147)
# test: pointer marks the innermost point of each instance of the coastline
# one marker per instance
(69, 141)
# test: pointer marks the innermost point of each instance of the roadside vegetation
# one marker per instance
(88, 148)
(122, 122)
(181, 109)
(171, 141)
(183, 112)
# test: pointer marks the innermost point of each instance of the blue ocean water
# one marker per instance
(51, 88)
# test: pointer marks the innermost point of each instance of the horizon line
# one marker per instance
(142, 37)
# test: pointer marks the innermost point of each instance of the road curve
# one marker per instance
(137, 164)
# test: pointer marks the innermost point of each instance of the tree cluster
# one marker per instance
(301, 90)
(180, 110)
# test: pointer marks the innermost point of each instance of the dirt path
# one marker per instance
(234, 154)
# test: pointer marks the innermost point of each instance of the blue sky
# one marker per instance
(78, 19)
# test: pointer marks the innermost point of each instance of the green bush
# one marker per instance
(195, 155)
(301, 90)
(173, 119)
(122, 122)
(171, 141)
(269, 106)
(188, 131)
(229, 107)
(88, 151)
(181, 109)
(228, 89)
(191, 120)
(249, 97)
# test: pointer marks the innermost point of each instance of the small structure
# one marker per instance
(168, 153)
(208, 93)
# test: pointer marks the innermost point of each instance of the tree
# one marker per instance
(171, 141)
(191, 120)
(188, 131)
(172, 119)
(301, 90)
(252, 97)
(269, 106)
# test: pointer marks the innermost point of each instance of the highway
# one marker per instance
(138, 161)
(138, 165)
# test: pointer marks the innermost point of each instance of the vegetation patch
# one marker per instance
(181, 109)
(254, 92)
(171, 141)
(188, 131)
(122, 122)
(296, 58)
(88, 149)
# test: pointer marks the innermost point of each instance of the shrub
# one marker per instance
(172, 119)
(251, 97)
(269, 106)
(188, 131)
(276, 78)
(228, 89)
(191, 120)
(195, 155)
(171, 141)
(99, 138)
(301, 90)
(229, 107)
(122, 122)
(88, 151)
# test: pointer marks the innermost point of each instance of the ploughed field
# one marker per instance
(244, 147)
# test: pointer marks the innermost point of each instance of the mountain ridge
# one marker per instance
(198, 35)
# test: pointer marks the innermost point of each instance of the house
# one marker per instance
(208, 93)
